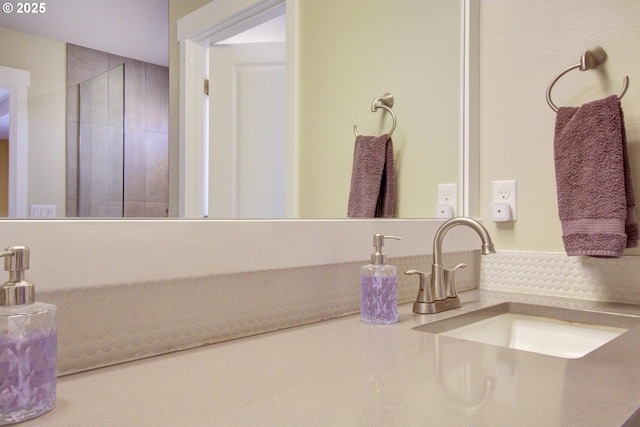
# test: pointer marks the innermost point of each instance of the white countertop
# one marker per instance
(343, 372)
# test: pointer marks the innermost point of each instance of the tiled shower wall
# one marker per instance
(101, 145)
(146, 134)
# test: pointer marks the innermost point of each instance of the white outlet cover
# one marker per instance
(505, 192)
(447, 195)
(500, 212)
(43, 211)
(443, 210)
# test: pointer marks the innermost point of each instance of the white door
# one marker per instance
(247, 131)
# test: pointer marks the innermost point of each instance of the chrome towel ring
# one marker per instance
(385, 102)
(589, 59)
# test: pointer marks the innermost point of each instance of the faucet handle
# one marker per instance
(449, 280)
(425, 292)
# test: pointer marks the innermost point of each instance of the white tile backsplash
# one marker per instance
(104, 325)
(556, 274)
(109, 324)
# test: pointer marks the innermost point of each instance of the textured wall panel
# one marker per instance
(556, 274)
(109, 324)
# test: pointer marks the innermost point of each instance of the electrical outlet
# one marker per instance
(504, 196)
(503, 193)
(43, 211)
(447, 196)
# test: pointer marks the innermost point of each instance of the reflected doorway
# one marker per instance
(246, 120)
(247, 131)
(4, 150)
(14, 111)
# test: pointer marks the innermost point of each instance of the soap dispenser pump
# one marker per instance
(379, 286)
(28, 345)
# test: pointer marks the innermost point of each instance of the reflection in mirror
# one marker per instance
(13, 120)
(38, 44)
(4, 151)
(101, 145)
(247, 176)
(371, 49)
(413, 51)
(410, 48)
(126, 147)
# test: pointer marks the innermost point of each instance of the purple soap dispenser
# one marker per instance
(28, 345)
(379, 286)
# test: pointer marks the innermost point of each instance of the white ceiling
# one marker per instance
(136, 29)
(270, 31)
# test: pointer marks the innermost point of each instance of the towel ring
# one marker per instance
(589, 59)
(385, 102)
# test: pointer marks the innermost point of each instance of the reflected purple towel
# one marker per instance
(596, 201)
(373, 178)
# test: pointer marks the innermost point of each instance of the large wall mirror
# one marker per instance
(336, 57)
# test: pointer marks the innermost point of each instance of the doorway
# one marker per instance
(5, 117)
(196, 37)
(14, 109)
(247, 131)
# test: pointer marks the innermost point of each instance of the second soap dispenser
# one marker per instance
(379, 286)
(28, 345)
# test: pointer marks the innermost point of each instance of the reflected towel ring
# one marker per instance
(385, 102)
(589, 59)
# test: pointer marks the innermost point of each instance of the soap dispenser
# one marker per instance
(379, 286)
(28, 345)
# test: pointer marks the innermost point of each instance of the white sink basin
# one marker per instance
(538, 334)
(546, 330)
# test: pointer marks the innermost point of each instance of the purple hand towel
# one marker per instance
(596, 201)
(372, 191)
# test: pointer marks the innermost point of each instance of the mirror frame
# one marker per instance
(224, 18)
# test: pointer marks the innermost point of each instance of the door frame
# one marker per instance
(17, 81)
(211, 23)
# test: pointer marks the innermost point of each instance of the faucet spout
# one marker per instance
(487, 244)
(442, 283)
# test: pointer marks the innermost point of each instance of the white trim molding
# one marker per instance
(17, 81)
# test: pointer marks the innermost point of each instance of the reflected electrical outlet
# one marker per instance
(43, 211)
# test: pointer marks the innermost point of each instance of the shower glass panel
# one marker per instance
(101, 145)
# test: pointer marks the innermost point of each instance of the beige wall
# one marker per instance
(408, 48)
(341, 69)
(45, 59)
(523, 46)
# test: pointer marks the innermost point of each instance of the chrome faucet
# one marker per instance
(440, 293)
